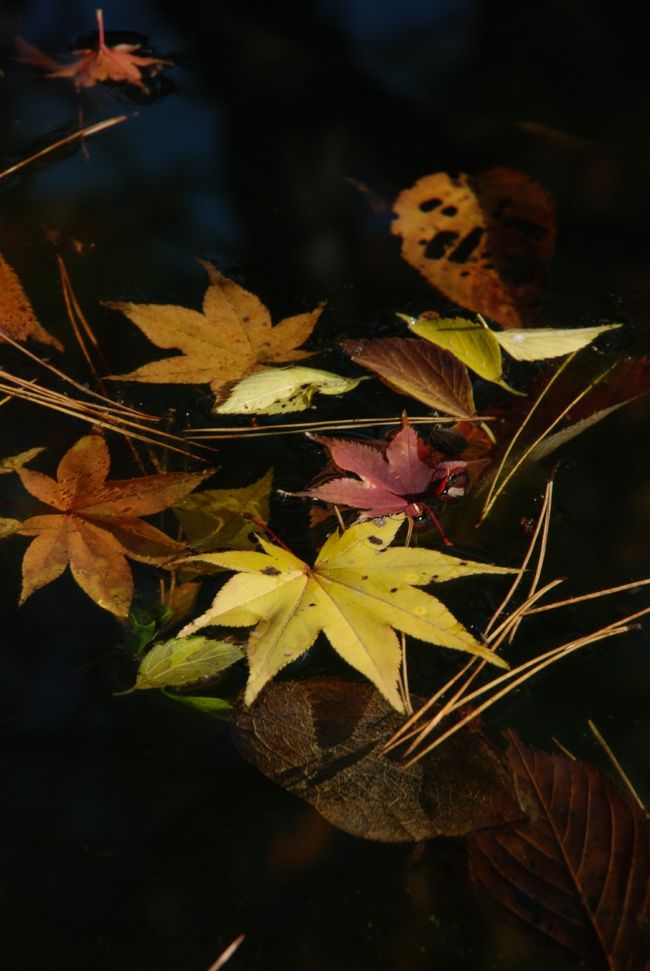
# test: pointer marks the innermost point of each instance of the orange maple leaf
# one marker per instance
(93, 65)
(96, 525)
(231, 338)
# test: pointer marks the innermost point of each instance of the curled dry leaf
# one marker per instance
(282, 390)
(95, 525)
(484, 242)
(578, 869)
(184, 659)
(90, 66)
(401, 478)
(230, 338)
(220, 518)
(419, 369)
(358, 593)
(322, 740)
(17, 317)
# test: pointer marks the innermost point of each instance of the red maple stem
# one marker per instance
(269, 532)
(101, 43)
(436, 522)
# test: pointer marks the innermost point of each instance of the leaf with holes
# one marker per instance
(401, 478)
(283, 390)
(358, 593)
(322, 740)
(578, 870)
(419, 369)
(484, 242)
(230, 338)
(92, 524)
(17, 317)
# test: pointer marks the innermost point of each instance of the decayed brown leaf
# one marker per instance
(96, 64)
(484, 242)
(321, 739)
(231, 338)
(17, 317)
(578, 870)
(419, 369)
(96, 525)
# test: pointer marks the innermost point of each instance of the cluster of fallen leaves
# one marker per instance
(485, 243)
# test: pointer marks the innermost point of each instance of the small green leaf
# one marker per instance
(281, 390)
(184, 659)
(217, 707)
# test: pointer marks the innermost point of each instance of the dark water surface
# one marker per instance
(133, 836)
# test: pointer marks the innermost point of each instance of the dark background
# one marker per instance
(132, 834)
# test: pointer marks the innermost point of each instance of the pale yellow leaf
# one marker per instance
(540, 343)
(283, 390)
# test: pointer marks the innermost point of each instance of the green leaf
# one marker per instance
(281, 390)
(217, 707)
(217, 518)
(185, 659)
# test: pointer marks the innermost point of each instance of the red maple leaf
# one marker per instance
(92, 65)
(404, 477)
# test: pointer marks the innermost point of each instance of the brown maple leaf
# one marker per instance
(96, 64)
(231, 338)
(96, 525)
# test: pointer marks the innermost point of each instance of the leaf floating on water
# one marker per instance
(283, 390)
(539, 343)
(184, 659)
(13, 463)
(219, 518)
(470, 341)
(484, 242)
(578, 870)
(322, 739)
(358, 592)
(17, 317)
(96, 525)
(231, 337)
(419, 369)
(402, 478)
(9, 526)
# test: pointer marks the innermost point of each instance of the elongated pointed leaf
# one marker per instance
(539, 343)
(185, 659)
(283, 390)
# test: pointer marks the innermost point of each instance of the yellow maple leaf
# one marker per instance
(359, 592)
(232, 336)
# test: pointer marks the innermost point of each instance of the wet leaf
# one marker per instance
(321, 739)
(92, 65)
(417, 368)
(283, 390)
(184, 659)
(578, 870)
(216, 707)
(484, 242)
(9, 526)
(402, 478)
(12, 463)
(17, 317)
(230, 338)
(357, 592)
(539, 343)
(470, 341)
(94, 524)
(219, 518)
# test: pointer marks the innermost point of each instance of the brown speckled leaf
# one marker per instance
(419, 369)
(17, 317)
(484, 242)
(578, 871)
(321, 740)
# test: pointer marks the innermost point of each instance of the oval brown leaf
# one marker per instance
(484, 242)
(578, 870)
(419, 369)
(321, 739)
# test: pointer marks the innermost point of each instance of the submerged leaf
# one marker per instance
(17, 317)
(539, 343)
(283, 389)
(185, 659)
(220, 518)
(9, 526)
(94, 524)
(417, 368)
(12, 463)
(358, 591)
(322, 739)
(578, 870)
(232, 337)
(484, 242)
